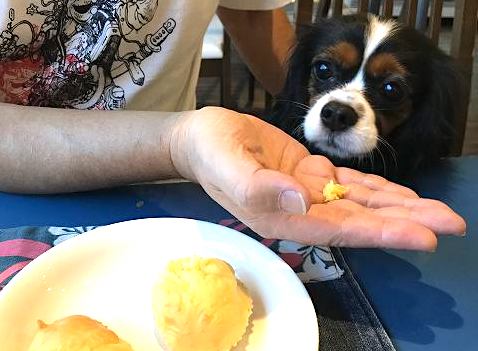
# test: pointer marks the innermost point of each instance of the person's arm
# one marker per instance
(257, 172)
(263, 39)
(44, 150)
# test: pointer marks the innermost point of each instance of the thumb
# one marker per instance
(272, 191)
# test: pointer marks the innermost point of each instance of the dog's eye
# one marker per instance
(322, 70)
(392, 91)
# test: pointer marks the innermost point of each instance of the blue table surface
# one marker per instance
(430, 301)
(425, 301)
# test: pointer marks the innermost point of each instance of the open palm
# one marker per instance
(271, 183)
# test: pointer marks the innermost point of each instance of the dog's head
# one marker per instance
(375, 93)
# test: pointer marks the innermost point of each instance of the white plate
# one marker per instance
(108, 275)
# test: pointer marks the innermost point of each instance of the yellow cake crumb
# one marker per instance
(76, 333)
(333, 191)
(199, 305)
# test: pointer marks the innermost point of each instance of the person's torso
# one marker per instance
(102, 54)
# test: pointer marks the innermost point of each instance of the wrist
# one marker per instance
(180, 141)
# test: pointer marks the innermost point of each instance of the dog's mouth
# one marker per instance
(331, 140)
(344, 145)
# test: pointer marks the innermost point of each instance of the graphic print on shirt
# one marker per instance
(73, 58)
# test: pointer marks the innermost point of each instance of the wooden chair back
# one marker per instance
(218, 65)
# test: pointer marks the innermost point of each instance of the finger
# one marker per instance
(330, 226)
(315, 185)
(387, 233)
(316, 166)
(268, 191)
(349, 176)
(433, 214)
(314, 172)
(375, 198)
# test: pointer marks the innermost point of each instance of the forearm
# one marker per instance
(45, 150)
(263, 39)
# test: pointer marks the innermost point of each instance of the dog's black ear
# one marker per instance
(428, 134)
(291, 103)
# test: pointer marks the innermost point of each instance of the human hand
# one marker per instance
(271, 183)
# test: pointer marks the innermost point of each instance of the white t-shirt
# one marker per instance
(106, 54)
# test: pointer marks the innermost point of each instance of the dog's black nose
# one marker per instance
(337, 116)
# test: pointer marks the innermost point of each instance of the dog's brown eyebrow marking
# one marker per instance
(344, 53)
(385, 64)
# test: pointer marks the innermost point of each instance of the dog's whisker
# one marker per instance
(392, 151)
(383, 109)
(301, 105)
(383, 160)
(371, 157)
(387, 145)
(297, 132)
(362, 158)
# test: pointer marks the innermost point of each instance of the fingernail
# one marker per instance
(292, 202)
(463, 234)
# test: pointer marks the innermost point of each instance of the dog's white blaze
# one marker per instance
(377, 32)
(362, 137)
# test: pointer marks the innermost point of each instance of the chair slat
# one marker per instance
(435, 20)
(338, 7)
(387, 9)
(462, 45)
(304, 12)
(411, 13)
(322, 8)
(363, 6)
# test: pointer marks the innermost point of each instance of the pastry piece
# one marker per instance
(76, 333)
(333, 191)
(199, 305)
